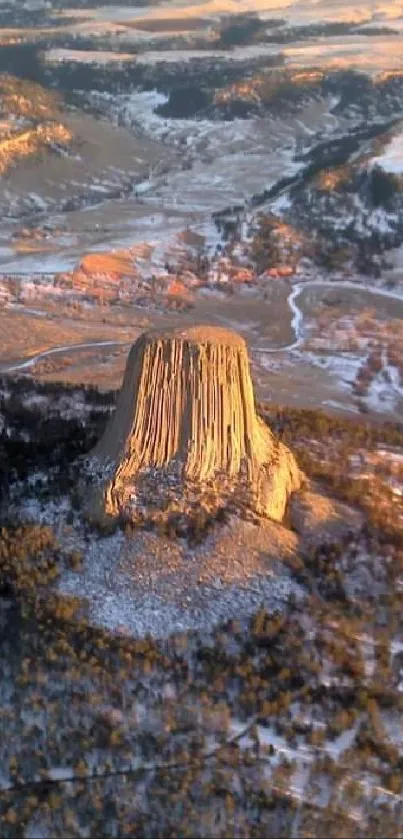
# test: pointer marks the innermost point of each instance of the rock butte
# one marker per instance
(185, 435)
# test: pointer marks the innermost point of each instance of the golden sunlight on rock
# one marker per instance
(185, 433)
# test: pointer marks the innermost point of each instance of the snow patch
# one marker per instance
(392, 158)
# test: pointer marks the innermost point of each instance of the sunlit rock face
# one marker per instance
(185, 435)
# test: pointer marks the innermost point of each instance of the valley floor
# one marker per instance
(312, 342)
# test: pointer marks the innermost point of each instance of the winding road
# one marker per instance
(296, 324)
(67, 348)
(297, 316)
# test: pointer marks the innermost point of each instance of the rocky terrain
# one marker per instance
(271, 171)
(163, 167)
(185, 440)
(286, 719)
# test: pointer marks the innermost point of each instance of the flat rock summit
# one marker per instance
(185, 435)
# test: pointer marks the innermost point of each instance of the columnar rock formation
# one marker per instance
(185, 434)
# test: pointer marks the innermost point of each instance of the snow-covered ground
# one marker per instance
(391, 160)
(177, 55)
(56, 55)
(228, 162)
(210, 164)
(173, 599)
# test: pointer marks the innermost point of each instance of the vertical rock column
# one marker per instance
(185, 433)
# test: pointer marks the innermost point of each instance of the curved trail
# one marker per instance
(296, 325)
(30, 362)
(297, 316)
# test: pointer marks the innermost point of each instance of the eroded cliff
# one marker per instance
(185, 434)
